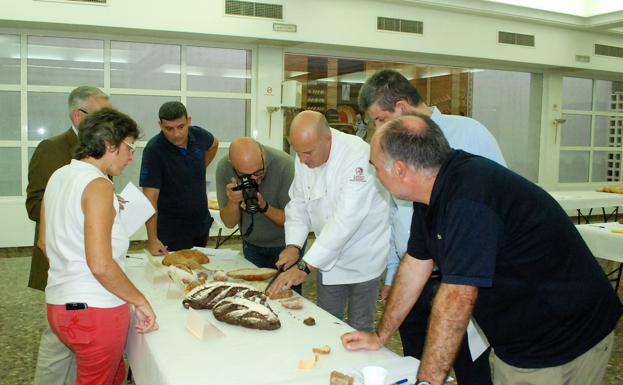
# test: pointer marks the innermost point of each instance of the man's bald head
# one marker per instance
(310, 136)
(415, 140)
(246, 156)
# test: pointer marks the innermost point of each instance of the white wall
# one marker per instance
(349, 23)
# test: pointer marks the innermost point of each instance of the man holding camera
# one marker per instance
(173, 178)
(252, 191)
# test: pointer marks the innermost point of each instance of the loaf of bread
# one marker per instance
(191, 258)
(181, 273)
(287, 293)
(234, 303)
(213, 204)
(617, 189)
(206, 296)
(338, 378)
(253, 274)
(246, 312)
(292, 305)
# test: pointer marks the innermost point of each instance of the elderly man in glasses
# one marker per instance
(263, 173)
(55, 362)
(173, 178)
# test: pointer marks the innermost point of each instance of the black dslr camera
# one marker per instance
(249, 188)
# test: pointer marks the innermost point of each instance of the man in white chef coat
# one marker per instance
(335, 196)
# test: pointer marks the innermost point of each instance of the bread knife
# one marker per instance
(279, 271)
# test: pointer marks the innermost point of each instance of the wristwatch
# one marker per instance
(264, 209)
(302, 266)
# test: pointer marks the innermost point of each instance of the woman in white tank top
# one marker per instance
(88, 294)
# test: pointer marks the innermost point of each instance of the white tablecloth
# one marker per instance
(172, 356)
(572, 200)
(602, 241)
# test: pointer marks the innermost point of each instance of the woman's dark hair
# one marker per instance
(104, 126)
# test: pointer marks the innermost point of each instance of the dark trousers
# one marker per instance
(265, 257)
(178, 235)
(413, 334)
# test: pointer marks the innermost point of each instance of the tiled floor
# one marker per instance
(22, 318)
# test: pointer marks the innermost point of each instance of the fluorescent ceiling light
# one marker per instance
(584, 8)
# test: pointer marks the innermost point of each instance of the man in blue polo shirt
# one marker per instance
(173, 177)
(387, 95)
(508, 255)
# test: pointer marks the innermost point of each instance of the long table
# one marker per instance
(606, 244)
(173, 356)
(588, 200)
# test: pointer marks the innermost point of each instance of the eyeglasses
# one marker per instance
(132, 147)
(258, 173)
(83, 110)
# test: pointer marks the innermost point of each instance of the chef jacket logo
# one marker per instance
(358, 177)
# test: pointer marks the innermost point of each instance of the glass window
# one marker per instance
(226, 119)
(145, 65)
(218, 69)
(573, 166)
(10, 123)
(143, 109)
(576, 131)
(509, 105)
(604, 91)
(65, 62)
(10, 54)
(10, 172)
(211, 171)
(577, 94)
(606, 166)
(605, 130)
(48, 114)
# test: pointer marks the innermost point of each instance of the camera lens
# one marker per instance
(250, 201)
(249, 189)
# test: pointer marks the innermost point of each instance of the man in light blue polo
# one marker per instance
(386, 95)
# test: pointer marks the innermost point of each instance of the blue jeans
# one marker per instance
(265, 256)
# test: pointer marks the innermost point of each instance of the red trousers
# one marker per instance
(97, 336)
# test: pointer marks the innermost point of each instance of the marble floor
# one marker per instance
(22, 318)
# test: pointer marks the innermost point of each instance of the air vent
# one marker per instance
(608, 50)
(399, 25)
(248, 8)
(95, 2)
(515, 39)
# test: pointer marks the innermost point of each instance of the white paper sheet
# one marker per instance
(476, 340)
(136, 210)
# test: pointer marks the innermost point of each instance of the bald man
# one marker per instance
(335, 195)
(273, 170)
(530, 281)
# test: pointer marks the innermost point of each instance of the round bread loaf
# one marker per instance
(188, 257)
(247, 313)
